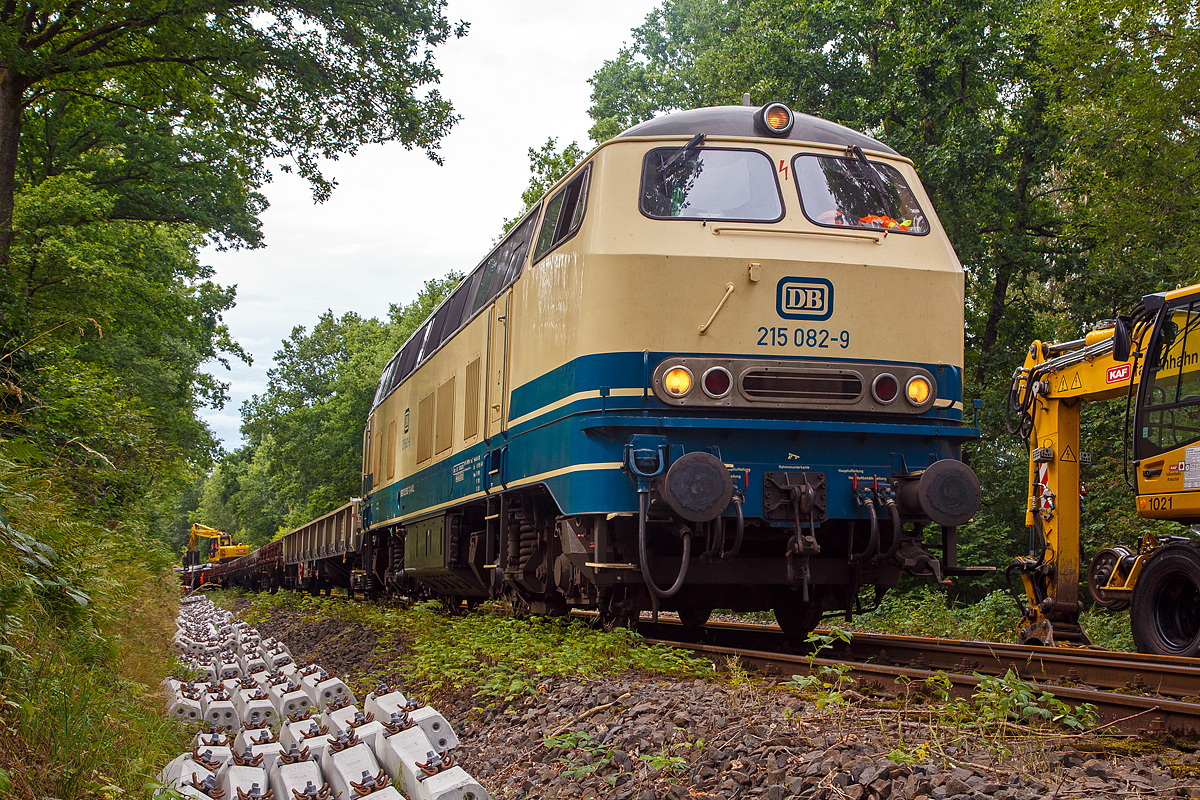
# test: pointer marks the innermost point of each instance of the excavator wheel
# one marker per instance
(1165, 615)
(1102, 568)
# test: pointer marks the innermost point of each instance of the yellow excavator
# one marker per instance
(1152, 359)
(221, 546)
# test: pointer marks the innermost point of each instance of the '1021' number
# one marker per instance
(817, 338)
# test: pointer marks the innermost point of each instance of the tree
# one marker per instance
(294, 80)
(547, 166)
(1127, 94)
(303, 456)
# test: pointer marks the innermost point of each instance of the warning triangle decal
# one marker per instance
(1076, 384)
(1068, 454)
(1062, 384)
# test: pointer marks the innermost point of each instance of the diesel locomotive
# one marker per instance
(719, 365)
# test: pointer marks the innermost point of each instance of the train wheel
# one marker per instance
(1165, 613)
(694, 617)
(797, 619)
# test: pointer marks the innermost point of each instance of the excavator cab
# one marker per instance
(219, 544)
(1152, 359)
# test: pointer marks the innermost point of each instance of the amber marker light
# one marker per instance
(778, 117)
(677, 381)
(918, 390)
(774, 119)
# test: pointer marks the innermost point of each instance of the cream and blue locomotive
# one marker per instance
(719, 365)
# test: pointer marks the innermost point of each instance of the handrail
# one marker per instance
(717, 310)
(877, 238)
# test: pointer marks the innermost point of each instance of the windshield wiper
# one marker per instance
(669, 164)
(880, 186)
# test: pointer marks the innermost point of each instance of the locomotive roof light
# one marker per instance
(775, 119)
(678, 381)
(919, 390)
(885, 388)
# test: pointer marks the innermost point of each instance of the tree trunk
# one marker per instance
(12, 90)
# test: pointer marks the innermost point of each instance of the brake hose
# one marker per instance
(683, 567)
(741, 530)
(894, 547)
(873, 543)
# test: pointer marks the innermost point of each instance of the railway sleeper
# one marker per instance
(294, 730)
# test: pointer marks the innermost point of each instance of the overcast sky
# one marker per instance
(396, 218)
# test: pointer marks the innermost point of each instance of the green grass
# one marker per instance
(929, 612)
(491, 654)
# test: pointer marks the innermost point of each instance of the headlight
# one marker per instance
(678, 381)
(919, 391)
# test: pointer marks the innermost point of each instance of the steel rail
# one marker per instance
(1133, 673)
(1124, 713)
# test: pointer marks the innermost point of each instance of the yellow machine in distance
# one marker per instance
(1152, 358)
(221, 547)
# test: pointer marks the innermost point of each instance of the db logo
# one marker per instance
(1118, 373)
(804, 298)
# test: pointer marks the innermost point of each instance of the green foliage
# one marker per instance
(1007, 697)
(503, 657)
(547, 166)
(491, 654)
(825, 683)
(925, 611)
(665, 762)
(76, 703)
(1108, 629)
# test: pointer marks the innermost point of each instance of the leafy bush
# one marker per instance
(86, 613)
(929, 612)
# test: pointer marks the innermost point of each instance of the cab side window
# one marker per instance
(564, 213)
(1170, 412)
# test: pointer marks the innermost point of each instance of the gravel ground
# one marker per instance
(744, 736)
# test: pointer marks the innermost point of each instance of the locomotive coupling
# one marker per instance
(947, 492)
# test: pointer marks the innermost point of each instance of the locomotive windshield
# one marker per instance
(710, 183)
(854, 193)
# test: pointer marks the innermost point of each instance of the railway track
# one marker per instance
(1133, 693)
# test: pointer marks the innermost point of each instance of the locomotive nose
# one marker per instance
(697, 487)
(947, 492)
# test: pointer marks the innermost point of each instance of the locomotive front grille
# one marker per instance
(811, 385)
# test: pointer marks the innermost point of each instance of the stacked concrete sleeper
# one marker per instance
(272, 729)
